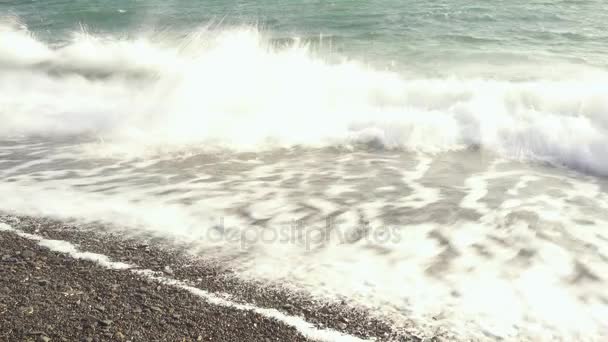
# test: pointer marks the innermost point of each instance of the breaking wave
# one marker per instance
(236, 89)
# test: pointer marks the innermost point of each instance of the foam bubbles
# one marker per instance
(235, 89)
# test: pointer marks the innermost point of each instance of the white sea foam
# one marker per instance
(425, 275)
(68, 248)
(235, 89)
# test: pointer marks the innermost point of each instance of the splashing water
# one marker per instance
(460, 202)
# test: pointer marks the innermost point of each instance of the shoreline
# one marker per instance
(120, 290)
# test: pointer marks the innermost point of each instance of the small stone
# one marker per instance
(43, 338)
(199, 338)
(27, 254)
(91, 325)
(119, 335)
(156, 308)
(100, 308)
(5, 257)
(90, 318)
(168, 270)
(106, 322)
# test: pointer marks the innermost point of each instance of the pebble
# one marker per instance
(27, 310)
(156, 308)
(36, 333)
(28, 254)
(106, 322)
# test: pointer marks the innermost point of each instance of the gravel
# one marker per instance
(139, 310)
(48, 296)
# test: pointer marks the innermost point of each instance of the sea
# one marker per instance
(441, 163)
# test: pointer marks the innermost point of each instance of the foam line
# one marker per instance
(305, 328)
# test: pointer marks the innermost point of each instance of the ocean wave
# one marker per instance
(236, 89)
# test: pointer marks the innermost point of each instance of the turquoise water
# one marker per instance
(438, 36)
(524, 79)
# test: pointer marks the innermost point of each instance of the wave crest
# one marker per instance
(235, 89)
